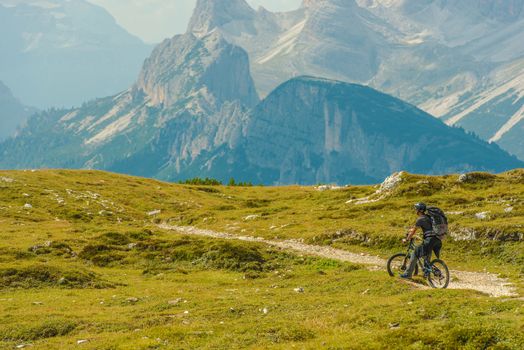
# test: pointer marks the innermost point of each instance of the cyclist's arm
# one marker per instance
(411, 233)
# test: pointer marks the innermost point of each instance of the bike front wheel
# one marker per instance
(438, 276)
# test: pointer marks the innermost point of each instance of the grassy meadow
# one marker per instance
(83, 264)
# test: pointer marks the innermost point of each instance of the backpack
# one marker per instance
(439, 222)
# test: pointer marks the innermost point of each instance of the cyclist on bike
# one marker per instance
(430, 244)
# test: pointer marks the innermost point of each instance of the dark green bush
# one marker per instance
(202, 182)
(46, 276)
(55, 248)
(101, 255)
(115, 238)
(234, 256)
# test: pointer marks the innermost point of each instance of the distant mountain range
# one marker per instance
(460, 60)
(194, 111)
(65, 52)
(12, 112)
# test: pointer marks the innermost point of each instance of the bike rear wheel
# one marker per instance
(397, 264)
(438, 277)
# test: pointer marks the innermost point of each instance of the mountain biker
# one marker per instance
(430, 244)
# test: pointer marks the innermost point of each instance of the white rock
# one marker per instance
(508, 209)
(483, 215)
(265, 311)
(6, 179)
(251, 217)
(175, 302)
(391, 182)
(154, 212)
(463, 178)
(299, 290)
(28, 206)
(323, 188)
(82, 341)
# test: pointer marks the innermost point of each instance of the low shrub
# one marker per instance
(55, 248)
(46, 276)
(101, 255)
(115, 238)
(234, 256)
(48, 329)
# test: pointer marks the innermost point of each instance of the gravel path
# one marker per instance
(483, 282)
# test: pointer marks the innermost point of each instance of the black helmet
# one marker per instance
(420, 207)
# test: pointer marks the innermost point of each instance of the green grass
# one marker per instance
(87, 262)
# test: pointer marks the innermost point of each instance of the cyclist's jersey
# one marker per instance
(424, 222)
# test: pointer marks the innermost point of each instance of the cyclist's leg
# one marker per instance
(418, 252)
(437, 246)
(427, 249)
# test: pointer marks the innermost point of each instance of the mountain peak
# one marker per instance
(210, 14)
(187, 65)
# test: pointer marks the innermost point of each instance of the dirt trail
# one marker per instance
(483, 282)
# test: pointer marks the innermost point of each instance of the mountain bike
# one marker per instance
(436, 272)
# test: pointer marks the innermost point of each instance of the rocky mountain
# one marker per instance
(189, 98)
(12, 112)
(194, 111)
(65, 52)
(441, 55)
(329, 131)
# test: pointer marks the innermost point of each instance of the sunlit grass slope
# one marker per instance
(83, 264)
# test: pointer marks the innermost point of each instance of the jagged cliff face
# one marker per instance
(186, 66)
(324, 131)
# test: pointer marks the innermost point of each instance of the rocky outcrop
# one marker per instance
(185, 66)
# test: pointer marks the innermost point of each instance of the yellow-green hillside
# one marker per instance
(83, 264)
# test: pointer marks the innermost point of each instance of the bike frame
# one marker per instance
(422, 262)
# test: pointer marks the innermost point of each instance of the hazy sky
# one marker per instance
(155, 20)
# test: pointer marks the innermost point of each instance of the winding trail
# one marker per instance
(483, 282)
